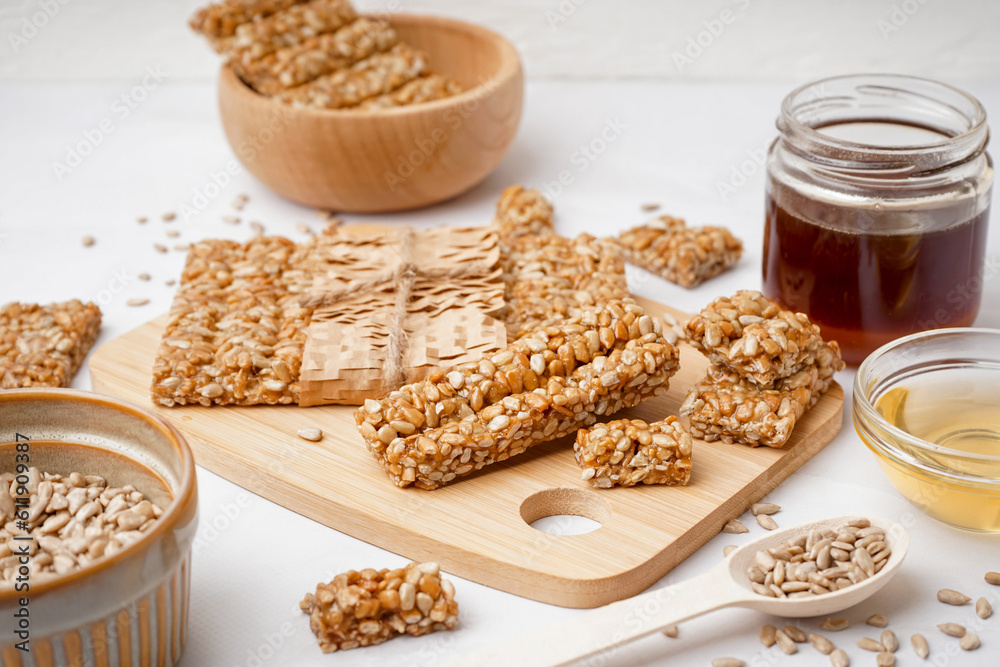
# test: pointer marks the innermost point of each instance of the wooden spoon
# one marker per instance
(603, 630)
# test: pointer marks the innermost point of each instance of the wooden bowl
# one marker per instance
(394, 159)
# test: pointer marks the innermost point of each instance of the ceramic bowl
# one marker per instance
(130, 608)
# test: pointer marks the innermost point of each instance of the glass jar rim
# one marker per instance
(955, 114)
(864, 409)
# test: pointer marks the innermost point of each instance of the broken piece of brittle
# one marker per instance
(628, 452)
(755, 337)
(371, 606)
(684, 255)
(44, 346)
(726, 406)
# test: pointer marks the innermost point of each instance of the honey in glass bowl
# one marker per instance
(877, 208)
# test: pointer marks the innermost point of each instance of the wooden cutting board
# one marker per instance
(478, 527)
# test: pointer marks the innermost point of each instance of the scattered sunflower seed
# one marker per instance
(795, 634)
(877, 621)
(87, 241)
(142, 220)
(137, 301)
(993, 578)
(650, 207)
(671, 631)
(144, 276)
(821, 643)
(952, 629)
(160, 247)
(312, 434)
(983, 608)
(785, 643)
(303, 228)
(889, 641)
(257, 227)
(764, 508)
(766, 522)
(948, 596)
(171, 283)
(231, 219)
(839, 658)
(167, 217)
(869, 644)
(728, 662)
(920, 646)
(885, 659)
(970, 642)
(173, 233)
(834, 624)
(728, 549)
(735, 526)
(767, 635)
(182, 247)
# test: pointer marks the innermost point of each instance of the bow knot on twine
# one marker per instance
(402, 279)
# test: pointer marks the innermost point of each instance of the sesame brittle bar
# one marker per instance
(423, 89)
(44, 346)
(236, 331)
(628, 452)
(372, 606)
(316, 56)
(728, 407)
(289, 27)
(522, 212)
(381, 73)
(539, 388)
(684, 255)
(755, 337)
(218, 22)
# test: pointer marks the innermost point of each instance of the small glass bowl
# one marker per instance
(958, 487)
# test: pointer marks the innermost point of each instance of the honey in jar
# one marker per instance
(877, 208)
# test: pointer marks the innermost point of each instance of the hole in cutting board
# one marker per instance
(565, 511)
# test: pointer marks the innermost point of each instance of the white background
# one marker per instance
(678, 142)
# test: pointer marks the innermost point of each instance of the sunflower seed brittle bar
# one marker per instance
(684, 255)
(288, 27)
(627, 452)
(236, 331)
(539, 388)
(726, 406)
(381, 73)
(522, 212)
(316, 56)
(44, 346)
(755, 337)
(372, 606)
(218, 22)
(424, 89)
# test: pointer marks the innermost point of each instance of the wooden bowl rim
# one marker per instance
(510, 67)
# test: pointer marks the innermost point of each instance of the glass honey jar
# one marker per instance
(877, 207)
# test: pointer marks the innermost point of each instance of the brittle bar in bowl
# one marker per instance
(218, 22)
(541, 387)
(380, 74)
(316, 56)
(684, 255)
(729, 407)
(288, 27)
(423, 89)
(755, 337)
(371, 606)
(44, 346)
(627, 452)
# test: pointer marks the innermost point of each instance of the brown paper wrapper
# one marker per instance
(448, 320)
